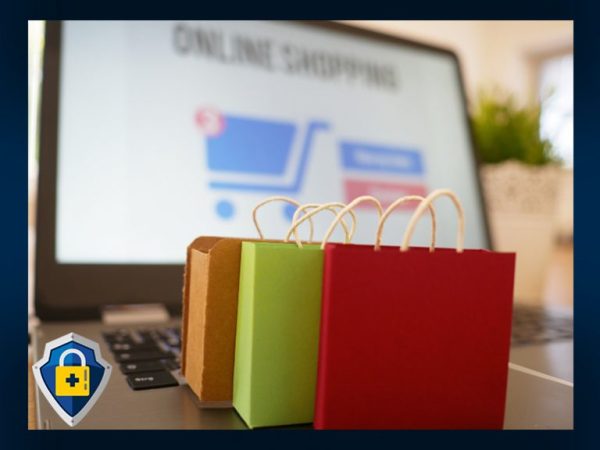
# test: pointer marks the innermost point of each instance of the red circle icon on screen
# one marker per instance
(210, 121)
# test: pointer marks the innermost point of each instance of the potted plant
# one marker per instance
(521, 178)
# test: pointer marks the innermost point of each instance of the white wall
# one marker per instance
(513, 49)
(492, 53)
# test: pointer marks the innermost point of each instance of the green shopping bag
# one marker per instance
(279, 308)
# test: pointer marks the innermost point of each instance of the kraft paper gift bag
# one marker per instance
(209, 316)
(210, 297)
(413, 338)
(277, 333)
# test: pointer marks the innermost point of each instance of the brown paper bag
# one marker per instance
(210, 304)
(210, 297)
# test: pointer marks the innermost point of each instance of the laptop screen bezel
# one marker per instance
(78, 291)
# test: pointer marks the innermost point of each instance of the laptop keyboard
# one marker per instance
(534, 325)
(147, 357)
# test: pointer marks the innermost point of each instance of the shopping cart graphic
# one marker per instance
(249, 146)
(365, 164)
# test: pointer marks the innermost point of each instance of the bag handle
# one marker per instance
(393, 206)
(357, 201)
(410, 228)
(317, 209)
(274, 199)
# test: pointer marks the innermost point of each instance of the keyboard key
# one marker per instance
(137, 337)
(146, 355)
(117, 338)
(125, 357)
(142, 366)
(151, 380)
(113, 333)
(170, 364)
(131, 347)
(163, 347)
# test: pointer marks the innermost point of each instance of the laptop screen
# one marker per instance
(171, 130)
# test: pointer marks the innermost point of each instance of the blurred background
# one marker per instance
(519, 83)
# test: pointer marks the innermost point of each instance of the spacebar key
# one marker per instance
(151, 380)
(124, 357)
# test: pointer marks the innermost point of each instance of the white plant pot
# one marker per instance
(521, 201)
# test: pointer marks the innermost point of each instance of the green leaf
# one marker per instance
(504, 131)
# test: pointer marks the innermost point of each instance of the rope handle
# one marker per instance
(317, 209)
(274, 199)
(350, 207)
(320, 207)
(391, 209)
(410, 228)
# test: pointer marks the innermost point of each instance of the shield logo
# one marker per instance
(72, 375)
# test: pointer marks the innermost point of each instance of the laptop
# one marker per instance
(153, 133)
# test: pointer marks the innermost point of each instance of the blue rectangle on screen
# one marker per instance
(377, 158)
(251, 146)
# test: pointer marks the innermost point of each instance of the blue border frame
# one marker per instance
(13, 132)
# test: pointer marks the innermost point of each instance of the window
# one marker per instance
(556, 95)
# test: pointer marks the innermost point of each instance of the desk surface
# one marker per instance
(532, 403)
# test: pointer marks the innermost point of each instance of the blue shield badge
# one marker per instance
(72, 375)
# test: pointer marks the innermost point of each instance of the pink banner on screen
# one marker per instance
(386, 192)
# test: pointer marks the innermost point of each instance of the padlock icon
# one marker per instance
(72, 381)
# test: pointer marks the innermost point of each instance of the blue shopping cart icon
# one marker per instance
(249, 146)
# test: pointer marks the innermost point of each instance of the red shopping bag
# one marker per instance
(414, 338)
